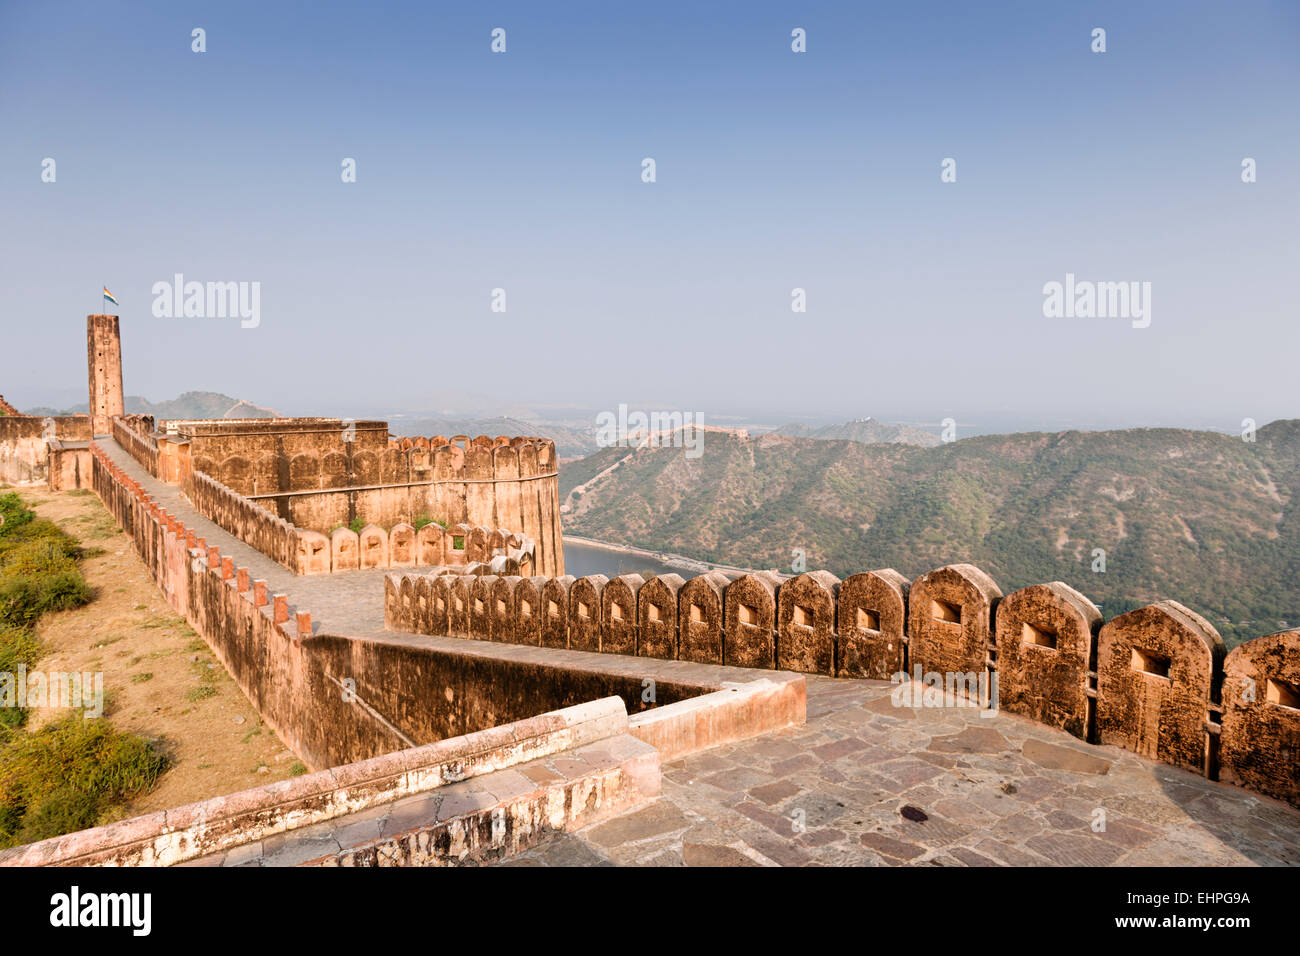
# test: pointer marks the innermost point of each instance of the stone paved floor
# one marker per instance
(873, 784)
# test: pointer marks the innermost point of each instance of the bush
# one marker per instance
(18, 645)
(66, 775)
(38, 567)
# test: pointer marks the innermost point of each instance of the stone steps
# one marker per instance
(480, 820)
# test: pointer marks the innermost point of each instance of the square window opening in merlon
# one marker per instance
(945, 611)
(697, 614)
(584, 611)
(1282, 694)
(1038, 636)
(654, 614)
(501, 606)
(615, 611)
(803, 617)
(1150, 663)
(867, 620)
(478, 605)
(747, 614)
(552, 609)
(526, 609)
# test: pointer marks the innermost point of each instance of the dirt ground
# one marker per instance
(160, 678)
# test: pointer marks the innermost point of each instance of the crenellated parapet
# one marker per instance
(319, 474)
(402, 546)
(1154, 681)
(135, 433)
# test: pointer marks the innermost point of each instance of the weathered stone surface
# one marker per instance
(440, 603)
(657, 616)
(529, 610)
(950, 620)
(585, 612)
(460, 602)
(1155, 672)
(502, 609)
(1260, 741)
(1057, 757)
(749, 621)
(429, 544)
(555, 611)
(344, 550)
(313, 553)
(402, 552)
(373, 544)
(699, 618)
(618, 614)
(872, 625)
(482, 604)
(1045, 640)
(806, 623)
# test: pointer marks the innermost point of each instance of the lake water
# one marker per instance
(583, 559)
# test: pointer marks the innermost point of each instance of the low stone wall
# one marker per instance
(69, 465)
(135, 434)
(403, 546)
(1151, 681)
(24, 453)
(211, 826)
(322, 473)
(274, 537)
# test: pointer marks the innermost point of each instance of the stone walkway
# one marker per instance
(868, 783)
(348, 603)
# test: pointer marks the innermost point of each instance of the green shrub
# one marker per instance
(24, 598)
(66, 775)
(18, 645)
(38, 567)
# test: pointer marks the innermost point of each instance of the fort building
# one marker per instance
(494, 701)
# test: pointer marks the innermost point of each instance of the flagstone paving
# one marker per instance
(867, 783)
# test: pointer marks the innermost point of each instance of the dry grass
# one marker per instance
(160, 678)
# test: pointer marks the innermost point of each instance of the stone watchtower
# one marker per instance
(104, 358)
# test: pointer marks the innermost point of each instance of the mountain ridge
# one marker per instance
(1200, 517)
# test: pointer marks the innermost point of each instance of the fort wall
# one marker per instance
(135, 434)
(319, 474)
(334, 699)
(24, 440)
(1154, 681)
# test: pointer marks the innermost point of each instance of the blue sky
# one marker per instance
(775, 170)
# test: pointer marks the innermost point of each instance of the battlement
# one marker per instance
(1155, 680)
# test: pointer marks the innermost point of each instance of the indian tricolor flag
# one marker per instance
(109, 296)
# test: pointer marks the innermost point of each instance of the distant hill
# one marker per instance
(1200, 517)
(199, 405)
(569, 442)
(866, 430)
(189, 405)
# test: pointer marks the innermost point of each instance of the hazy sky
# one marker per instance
(775, 170)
